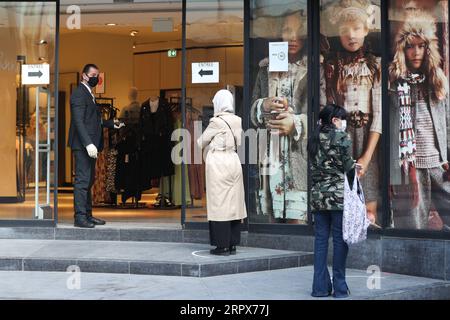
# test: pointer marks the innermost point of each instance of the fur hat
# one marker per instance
(345, 10)
(421, 25)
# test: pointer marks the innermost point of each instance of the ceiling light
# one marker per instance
(134, 33)
(111, 24)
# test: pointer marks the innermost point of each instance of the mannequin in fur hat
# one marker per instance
(419, 116)
(353, 80)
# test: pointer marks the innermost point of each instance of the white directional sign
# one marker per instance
(205, 72)
(35, 74)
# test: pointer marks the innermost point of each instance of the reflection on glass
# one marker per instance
(278, 112)
(419, 115)
(27, 34)
(351, 78)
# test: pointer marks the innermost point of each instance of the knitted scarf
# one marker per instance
(407, 138)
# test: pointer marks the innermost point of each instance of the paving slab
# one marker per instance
(283, 284)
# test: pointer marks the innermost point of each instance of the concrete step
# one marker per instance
(143, 257)
(112, 232)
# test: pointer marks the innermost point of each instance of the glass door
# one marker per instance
(214, 61)
(27, 64)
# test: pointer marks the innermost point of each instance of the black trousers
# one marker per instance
(84, 180)
(224, 234)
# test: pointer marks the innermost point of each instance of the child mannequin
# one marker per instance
(353, 80)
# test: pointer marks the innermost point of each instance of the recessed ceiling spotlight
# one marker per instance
(111, 24)
(134, 33)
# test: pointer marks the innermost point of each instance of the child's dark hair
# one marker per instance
(326, 116)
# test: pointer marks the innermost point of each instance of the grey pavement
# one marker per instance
(286, 284)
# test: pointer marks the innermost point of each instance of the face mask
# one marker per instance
(344, 125)
(93, 81)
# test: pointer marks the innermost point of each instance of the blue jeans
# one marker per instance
(322, 286)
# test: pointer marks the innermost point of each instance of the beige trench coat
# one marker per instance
(225, 195)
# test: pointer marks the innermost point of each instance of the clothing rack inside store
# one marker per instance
(107, 108)
(175, 105)
(163, 201)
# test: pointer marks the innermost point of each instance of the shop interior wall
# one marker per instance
(8, 185)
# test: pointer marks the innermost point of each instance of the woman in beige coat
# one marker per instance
(225, 195)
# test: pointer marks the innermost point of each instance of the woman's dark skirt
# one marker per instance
(224, 234)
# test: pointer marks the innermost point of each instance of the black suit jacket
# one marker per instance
(86, 124)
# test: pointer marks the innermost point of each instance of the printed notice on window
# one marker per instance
(278, 56)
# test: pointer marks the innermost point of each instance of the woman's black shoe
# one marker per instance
(233, 250)
(220, 251)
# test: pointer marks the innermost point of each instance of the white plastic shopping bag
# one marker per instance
(354, 220)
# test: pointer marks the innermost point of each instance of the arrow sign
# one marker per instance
(205, 72)
(35, 74)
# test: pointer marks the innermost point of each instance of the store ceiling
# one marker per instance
(207, 21)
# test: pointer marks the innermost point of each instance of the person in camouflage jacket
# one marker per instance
(332, 161)
(330, 152)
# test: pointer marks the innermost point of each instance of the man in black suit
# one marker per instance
(86, 140)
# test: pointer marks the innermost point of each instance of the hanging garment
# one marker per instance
(156, 144)
(128, 164)
(172, 188)
(99, 193)
(196, 171)
(111, 168)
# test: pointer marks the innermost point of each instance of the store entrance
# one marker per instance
(137, 48)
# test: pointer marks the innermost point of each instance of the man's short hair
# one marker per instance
(87, 67)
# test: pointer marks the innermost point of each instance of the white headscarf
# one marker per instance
(223, 102)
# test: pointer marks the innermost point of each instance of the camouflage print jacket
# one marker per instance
(333, 160)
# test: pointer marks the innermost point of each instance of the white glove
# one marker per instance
(119, 125)
(92, 151)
